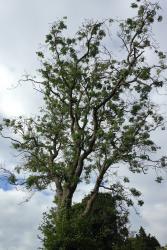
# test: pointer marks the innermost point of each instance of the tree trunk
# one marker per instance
(95, 191)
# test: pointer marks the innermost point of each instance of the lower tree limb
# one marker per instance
(94, 193)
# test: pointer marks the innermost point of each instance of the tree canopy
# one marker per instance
(98, 113)
(142, 241)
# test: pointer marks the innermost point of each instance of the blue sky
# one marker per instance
(4, 184)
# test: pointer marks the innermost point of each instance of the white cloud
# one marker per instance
(23, 25)
(9, 104)
(19, 222)
(17, 99)
(6, 78)
(155, 220)
(152, 216)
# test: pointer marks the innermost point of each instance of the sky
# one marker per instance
(23, 26)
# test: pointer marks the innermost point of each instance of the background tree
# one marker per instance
(98, 112)
(142, 241)
(104, 228)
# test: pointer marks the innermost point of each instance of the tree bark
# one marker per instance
(94, 193)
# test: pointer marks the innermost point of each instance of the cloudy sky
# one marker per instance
(23, 25)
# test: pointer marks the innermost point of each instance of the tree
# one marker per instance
(142, 241)
(104, 228)
(98, 111)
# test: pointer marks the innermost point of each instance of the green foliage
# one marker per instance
(87, 114)
(159, 179)
(104, 228)
(97, 113)
(12, 179)
(144, 241)
(141, 241)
